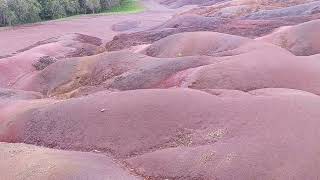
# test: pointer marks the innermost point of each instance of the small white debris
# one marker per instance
(96, 151)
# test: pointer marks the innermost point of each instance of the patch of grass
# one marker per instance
(127, 6)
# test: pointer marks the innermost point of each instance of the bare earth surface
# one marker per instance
(187, 90)
(16, 38)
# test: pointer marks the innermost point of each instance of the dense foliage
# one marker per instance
(27, 11)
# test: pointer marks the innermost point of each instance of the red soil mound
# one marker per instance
(302, 39)
(254, 70)
(191, 23)
(247, 65)
(213, 137)
(20, 65)
(245, 18)
(20, 161)
(119, 70)
(203, 43)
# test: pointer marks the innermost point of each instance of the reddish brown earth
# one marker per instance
(14, 39)
(44, 163)
(210, 90)
(299, 39)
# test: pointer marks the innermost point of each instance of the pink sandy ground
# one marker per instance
(15, 38)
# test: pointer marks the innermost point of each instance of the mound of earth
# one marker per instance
(182, 60)
(301, 40)
(83, 45)
(121, 70)
(212, 137)
(254, 70)
(192, 23)
(262, 145)
(203, 43)
(244, 18)
(44, 163)
(44, 53)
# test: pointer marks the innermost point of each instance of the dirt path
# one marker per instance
(16, 38)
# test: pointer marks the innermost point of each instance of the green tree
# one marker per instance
(83, 8)
(19, 11)
(93, 5)
(27, 11)
(3, 13)
(52, 9)
(71, 6)
(107, 4)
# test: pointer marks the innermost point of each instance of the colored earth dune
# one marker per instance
(186, 90)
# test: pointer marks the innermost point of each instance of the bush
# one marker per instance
(6, 16)
(53, 9)
(93, 6)
(19, 11)
(106, 4)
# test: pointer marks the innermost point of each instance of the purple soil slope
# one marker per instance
(44, 163)
(301, 39)
(185, 134)
(245, 18)
(44, 53)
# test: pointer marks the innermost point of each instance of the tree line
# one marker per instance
(14, 12)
